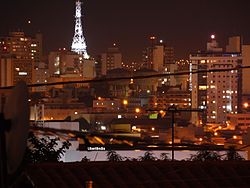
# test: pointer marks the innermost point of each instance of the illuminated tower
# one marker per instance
(79, 45)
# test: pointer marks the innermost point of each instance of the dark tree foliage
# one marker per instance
(233, 155)
(44, 149)
(164, 157)
(130, 159)
(205, 155)
(85, 159)
(148, 156)
(114, 156)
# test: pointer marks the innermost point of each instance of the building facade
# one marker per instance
(218, 93)
(63, 63)
(18, 56)
(112, 59)
(157, 56)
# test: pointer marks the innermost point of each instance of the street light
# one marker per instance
(125, 102)
(245, 105)
(137, 110)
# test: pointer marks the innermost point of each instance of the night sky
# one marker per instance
(184, 24)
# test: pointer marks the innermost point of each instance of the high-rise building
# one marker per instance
(19, 54)
(183, 80)
(246, 78)
(246, 72)
(98, 66)
(218, 93)
(158, 56)
(112, 59)
(236, 45)
(41, 75)
(63, 63)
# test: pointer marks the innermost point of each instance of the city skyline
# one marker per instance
(184, 25)
(164, 81)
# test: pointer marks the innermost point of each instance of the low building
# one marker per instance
(239, 121)
(107, 104)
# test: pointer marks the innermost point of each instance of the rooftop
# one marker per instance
(140, 174)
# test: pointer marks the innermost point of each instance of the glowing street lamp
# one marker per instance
(246, 105)
(125, 102)
(137, 110)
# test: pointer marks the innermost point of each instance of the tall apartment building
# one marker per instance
(183, 80)
(112, 59)
(22, 46)
(218, 93)
(246, 72)
(41, 75)
(13, 70)
(98, 66)
(158, 56)
(18, 56)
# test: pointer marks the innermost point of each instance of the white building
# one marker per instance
(63, 63)
(219, 93)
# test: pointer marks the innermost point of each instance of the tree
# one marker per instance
(205, 155)
(232, 154)
(164, 157)
(148, 156)
(85, 159)
(114, 156)
(44, 149)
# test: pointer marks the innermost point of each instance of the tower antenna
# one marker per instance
(78, 44)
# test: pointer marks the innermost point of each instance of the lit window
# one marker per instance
(22, 73)
(202, 87)
(103, 128)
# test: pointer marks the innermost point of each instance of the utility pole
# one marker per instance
(174, 110)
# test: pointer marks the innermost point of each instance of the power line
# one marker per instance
(133, 77)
